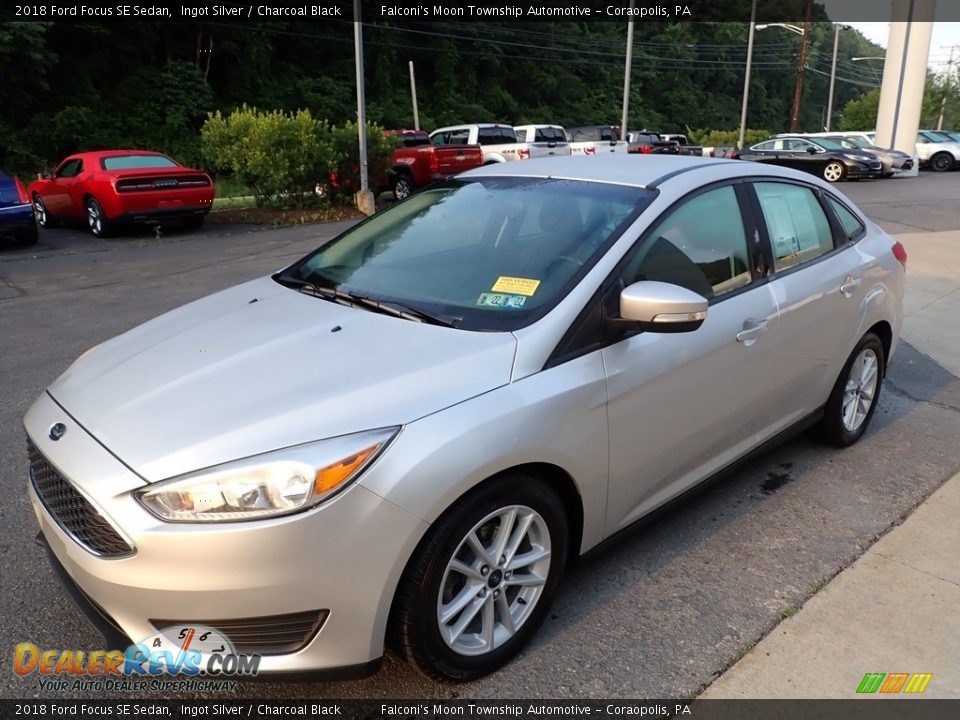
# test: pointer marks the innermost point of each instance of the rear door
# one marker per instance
(817, 282)
(682, 406)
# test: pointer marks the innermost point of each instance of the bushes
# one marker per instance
(727, 138)
(284, 157)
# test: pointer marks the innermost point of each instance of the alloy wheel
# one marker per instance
(494, 580)
(833, 172)
(40, 211)
(94, 217)
(860, 390)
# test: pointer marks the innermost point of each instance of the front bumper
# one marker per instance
(864, 171)
(344, 557)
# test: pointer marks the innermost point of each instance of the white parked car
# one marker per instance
(549, 140)
(415, 429)
(499, 143)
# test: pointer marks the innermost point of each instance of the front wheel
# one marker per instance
(941, 162)
(834, 171)
(96, 219)
(854, 397)
(481, 582)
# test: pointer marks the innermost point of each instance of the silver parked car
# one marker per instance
(410, 433)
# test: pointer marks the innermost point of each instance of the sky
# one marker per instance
(945, 34)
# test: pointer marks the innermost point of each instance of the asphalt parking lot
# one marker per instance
(659, 613)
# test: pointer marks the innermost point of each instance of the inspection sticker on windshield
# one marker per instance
(515, 285)
(501, 300)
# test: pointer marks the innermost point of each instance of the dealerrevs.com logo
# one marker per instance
(183, 657)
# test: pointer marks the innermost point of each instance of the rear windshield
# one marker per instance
(550, 135)
(496, 136)
(131, 162)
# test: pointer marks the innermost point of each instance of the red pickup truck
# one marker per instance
(417, 162)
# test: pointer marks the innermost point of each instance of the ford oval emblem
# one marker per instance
(57, 430)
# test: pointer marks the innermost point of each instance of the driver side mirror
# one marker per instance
(46, 176)
(812, 150)
(662, 307)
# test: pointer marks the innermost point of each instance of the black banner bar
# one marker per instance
(860, 709)
(466, 11)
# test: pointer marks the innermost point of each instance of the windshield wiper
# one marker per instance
(387, 307)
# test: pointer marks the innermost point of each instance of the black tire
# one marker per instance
(415, 627)
(31, 236)
(834, 171)
(97, 221)
(941, 162)
(836, 431)
(193, 222)
(403, 186)
(40, 213)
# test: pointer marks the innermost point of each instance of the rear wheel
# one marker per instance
(854, 397)
(481, 582)
(403, 186)
(40, 213)
(96, 219)
(834, 171)
(941, 162)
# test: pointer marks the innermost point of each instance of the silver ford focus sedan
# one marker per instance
(406, 436)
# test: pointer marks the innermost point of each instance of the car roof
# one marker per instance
(623, 169)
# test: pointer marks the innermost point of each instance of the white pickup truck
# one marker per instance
(596, 140)
(498, 142)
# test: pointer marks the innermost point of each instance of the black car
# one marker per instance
(812, 157)
(647, 142)
(16, 211)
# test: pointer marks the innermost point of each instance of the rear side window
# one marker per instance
(701, 246)
(798, 228)
(852, 227)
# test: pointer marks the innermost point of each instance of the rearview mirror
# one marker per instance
(662, 307)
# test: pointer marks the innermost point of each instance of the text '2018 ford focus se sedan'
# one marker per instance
(410, 433)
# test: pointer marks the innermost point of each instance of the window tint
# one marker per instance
(768, 145)
(125, 162)
(496, 135)
(798, 228)
(70, 168)
(852, 226)
(701, 246)
(549, 135)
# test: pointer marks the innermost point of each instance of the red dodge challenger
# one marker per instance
(111, 187)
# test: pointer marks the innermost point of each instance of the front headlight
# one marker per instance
(861, 158)
(277, 483)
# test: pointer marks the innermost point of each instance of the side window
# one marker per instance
(852, 227)
(701, 246)
(458, 137)
(69, 169)
(439, 138)
(798, 228)
(769, 145)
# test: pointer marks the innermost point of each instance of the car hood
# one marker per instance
(260, 367)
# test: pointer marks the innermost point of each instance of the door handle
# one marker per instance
(752, 329)
(849, 285)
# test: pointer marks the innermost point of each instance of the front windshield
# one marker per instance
(492, 253)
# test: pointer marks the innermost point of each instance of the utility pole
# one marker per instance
(364, 197)
(746, 79)
(798, 88)
(624, 129)
(413, 94)
(833, 75)
(946, 88)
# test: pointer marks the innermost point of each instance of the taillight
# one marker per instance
(21, 191)
(646, 150)
(434, 161)
(900, 253)
(524, 153)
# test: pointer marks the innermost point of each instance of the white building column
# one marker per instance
(904, 76)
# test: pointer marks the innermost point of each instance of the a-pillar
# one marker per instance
(904, 76)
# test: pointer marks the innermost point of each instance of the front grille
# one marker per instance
(71, 510)
(267, 635)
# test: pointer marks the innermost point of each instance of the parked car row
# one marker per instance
(853, 155)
